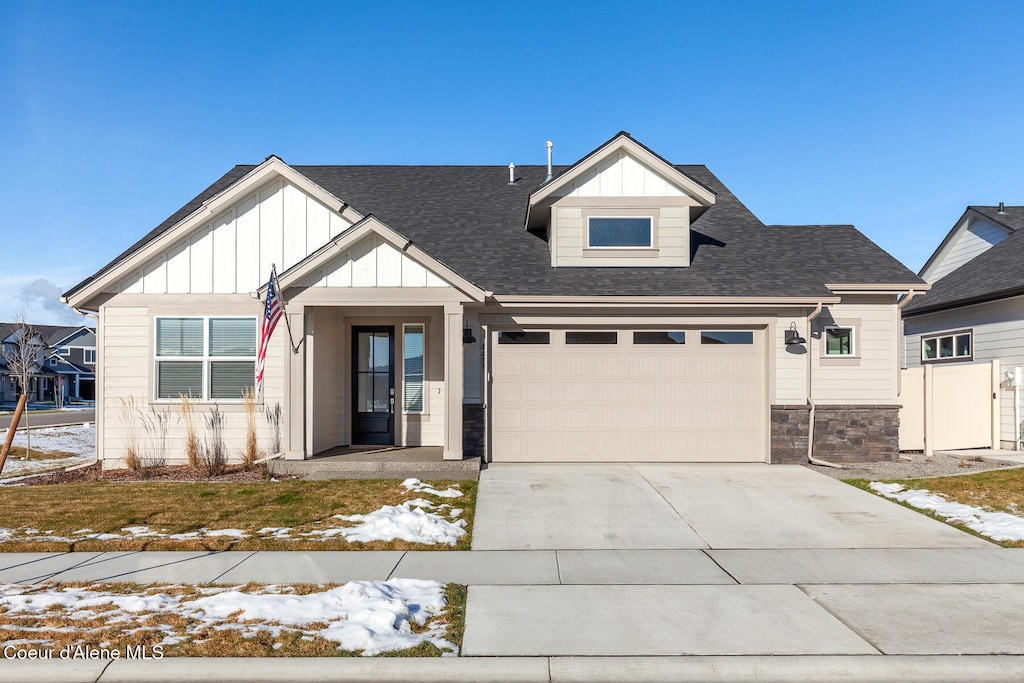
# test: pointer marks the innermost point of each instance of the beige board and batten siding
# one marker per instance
(689, 402)
(232, 253)
(998, 331)
(621, 186)
(127, 332)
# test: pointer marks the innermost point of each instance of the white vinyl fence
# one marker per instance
(948, 407)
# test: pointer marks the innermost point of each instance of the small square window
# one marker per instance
(930, 349)
(838, 341)
(591, 337)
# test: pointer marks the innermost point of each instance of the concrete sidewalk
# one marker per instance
(642, 572)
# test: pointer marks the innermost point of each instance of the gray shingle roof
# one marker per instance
(470, 219)
(1012, 216)
(993, 274)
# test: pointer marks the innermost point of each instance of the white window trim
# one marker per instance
(943, 335)
(853, 341)
(647, 247)
(423, 382)
(206, 358)
(85, 356)
(64, 351)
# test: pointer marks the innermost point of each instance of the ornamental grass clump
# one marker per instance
(251, 454)
(192, 447)
(130, 435)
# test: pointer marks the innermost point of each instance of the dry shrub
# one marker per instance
(192, 446)
(129, 408)
(251, 454)
(213, 454)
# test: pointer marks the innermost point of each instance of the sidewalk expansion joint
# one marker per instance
(401, 557)
(838, 618)
(232, 567)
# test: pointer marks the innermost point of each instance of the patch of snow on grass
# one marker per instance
(80, 440)
(419, 487)
(402, 522)
(999, 526)
(367, 616)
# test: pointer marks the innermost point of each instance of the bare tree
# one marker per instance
(23, 358)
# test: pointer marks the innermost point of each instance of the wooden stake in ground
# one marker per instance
(12, 429)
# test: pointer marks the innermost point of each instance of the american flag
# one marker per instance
(271, 314)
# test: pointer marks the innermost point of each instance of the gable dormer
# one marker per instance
(621, 205)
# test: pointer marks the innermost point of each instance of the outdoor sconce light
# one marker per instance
(467, 335)
(793, 337)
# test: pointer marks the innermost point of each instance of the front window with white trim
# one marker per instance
(90, 356)
(620, 232)
(205, 358)
(839, 341)
(945, 347)
(412, 368)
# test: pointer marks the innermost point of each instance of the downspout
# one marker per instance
(1017, 375)
(810, 418)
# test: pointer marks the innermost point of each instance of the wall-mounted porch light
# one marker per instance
(793, 337)
(467, 335)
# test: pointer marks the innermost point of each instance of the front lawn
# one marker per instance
(998, 491)
(397, 618)
(266, 515)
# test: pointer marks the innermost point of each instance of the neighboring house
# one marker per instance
(622, 308)
(975, 310)
(71, 353)
(41, 382)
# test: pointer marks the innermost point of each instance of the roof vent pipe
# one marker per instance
(1001, 212)
(511, 173)
(550, 174)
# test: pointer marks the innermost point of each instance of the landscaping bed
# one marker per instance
(364, 514)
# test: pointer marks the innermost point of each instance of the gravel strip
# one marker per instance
(917, 467)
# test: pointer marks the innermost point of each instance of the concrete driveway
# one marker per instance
(669, 506)
(670, 561)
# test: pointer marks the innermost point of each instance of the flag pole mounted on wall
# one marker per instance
(273, 310)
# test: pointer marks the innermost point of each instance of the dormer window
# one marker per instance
(620, 232)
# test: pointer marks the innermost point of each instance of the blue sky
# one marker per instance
(891, 116)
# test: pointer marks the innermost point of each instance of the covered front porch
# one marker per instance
(380, 375)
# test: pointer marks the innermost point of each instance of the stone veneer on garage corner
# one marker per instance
(474, 420)
(842, 433)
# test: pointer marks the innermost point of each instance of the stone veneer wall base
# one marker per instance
(474, 419)
(842, 433)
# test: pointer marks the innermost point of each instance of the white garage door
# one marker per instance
(675, 395)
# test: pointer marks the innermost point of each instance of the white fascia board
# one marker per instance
(623, 143)
(654, 301)
(372, 224)
(272, 167)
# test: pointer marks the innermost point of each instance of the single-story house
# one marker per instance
(621, 308)
(974, 312)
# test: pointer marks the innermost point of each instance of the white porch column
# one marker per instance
(453, 381)
(293, 435)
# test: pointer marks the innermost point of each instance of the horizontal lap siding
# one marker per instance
(128, 370)
(873, 377)
(979, 237)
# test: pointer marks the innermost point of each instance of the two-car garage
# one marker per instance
(645, 395)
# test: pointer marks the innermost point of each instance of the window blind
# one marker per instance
(179, 337)
(179, 378)
(230, 378)
(412, 355)
(232, 337)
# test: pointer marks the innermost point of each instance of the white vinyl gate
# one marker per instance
(947, 407)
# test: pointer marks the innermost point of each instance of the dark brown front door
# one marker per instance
(373, 388)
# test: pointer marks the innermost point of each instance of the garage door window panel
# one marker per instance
(727, 337)
(591, 338)
(523, 337)
(667, 338)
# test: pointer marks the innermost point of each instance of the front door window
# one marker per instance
(374, 385)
